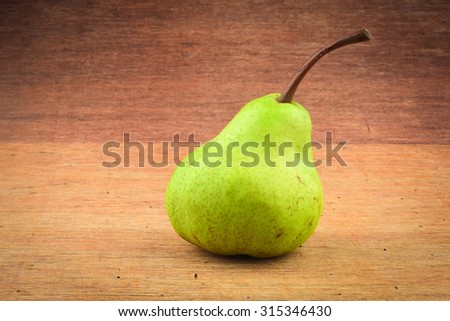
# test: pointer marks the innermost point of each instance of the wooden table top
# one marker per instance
(74, 77)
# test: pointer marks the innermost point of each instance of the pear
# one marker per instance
(253, 189)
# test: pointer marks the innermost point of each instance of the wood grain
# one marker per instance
(75, 76)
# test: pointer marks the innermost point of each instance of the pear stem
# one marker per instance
(289, 91)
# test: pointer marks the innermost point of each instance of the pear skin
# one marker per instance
(244, 206)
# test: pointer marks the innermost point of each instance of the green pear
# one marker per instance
(253, 189)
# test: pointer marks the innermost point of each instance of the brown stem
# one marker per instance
(289, 91)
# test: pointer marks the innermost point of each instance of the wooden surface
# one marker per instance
(76, 76)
